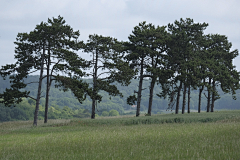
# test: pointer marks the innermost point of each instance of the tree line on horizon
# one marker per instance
(179, 57)
(25, 111)
(61, 99)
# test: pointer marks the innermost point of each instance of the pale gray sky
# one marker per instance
(115, 18)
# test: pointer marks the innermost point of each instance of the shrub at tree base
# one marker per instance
(105, 113)
(113, 112)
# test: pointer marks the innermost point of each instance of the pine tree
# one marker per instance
(139, 49)
(222, 71)
(52, 45)
(185, 38)
(62, 42)
(108, 66)
(158, 38)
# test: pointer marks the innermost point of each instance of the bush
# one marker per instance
(105, 113)
(113, 112)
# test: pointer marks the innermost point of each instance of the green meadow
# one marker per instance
(165, 136)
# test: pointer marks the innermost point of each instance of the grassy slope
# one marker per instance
(121, 139)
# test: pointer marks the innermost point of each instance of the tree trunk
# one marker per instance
(200, 97)
(189, 98)
(94, 86)
(151, 95)
(178, 98)
(140, 90)
(213, 96)
(209, 95)
(184, 98)
(39, 89)
(48, 86)
(93, 109)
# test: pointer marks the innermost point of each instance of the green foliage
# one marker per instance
(107, 56)
(51, 47)
(25, 111)
(105, 113)
(113, 112)
(22, 111)
(138, 51)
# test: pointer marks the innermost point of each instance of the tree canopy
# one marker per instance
(178, 58)
(49, 47)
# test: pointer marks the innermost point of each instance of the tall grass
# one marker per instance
(160, 119)
(78, 139)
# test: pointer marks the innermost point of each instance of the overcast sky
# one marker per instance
(115, 18)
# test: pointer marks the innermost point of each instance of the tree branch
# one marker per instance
(31, 83)
(33, 71)
(32, 98)
(103, 73)
(54, 66)
(205, 95)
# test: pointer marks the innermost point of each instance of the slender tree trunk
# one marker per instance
(151, 95)
(209, 95)
(39, 89)
(200, 97)
(213, 96)
(189, 98)
(184, 98)
(48, 85)
(140, 90)
(178, 98)
(93, 109)
(94, 86)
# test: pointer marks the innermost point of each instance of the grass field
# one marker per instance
(190, 136)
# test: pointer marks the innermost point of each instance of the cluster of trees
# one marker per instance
(52, 49)
(199, 61)
(179, 57)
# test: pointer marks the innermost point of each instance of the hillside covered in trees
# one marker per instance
(67, 106)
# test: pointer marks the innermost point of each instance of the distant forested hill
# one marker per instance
(61, 99)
